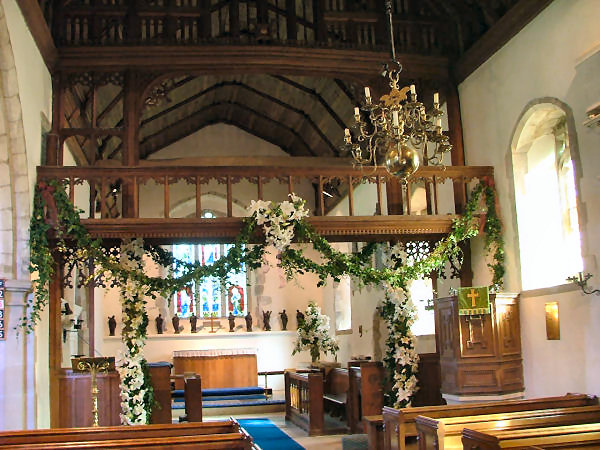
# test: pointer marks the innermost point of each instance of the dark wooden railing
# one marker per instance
(304, 401)
(317, 23)
(169, 201)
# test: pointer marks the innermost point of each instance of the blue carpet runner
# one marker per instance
(268, 436)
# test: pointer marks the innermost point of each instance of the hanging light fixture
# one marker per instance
(396, 132)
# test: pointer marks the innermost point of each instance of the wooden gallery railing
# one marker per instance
(303, 23)
(168, 202)
(304, 401)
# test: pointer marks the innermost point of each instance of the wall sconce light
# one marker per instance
(581, 280)
(552, 322)
(593, 116)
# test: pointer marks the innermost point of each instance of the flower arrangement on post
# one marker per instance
(313, 334)
(401, 359)
(278, 220)
(137, 396)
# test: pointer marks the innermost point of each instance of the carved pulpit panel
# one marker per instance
(480, 354)
(509, 330)
(477, 336)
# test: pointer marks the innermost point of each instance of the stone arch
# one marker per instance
(14, 182)
(539, 118)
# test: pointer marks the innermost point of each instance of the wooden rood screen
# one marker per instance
(166, 202)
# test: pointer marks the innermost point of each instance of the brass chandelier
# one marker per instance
(396, 132)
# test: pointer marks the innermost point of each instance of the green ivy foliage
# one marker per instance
(332, 263)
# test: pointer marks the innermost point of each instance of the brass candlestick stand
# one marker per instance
(93, 366)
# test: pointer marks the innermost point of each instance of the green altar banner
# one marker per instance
(473, 300)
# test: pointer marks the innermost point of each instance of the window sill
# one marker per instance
(540, 292)
(218, 334)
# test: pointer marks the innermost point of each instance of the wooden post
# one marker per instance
(458, 159)
(54, 341)
(292, 31)
(53, 142)
(350, 196)
(198, 197)
(315, 414)
(167, 201)
(260, 187)
(234, 19)
(229, 197)
(321, 200)
(130, 144)
(319, 21)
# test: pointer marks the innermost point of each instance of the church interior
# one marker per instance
(299, 224)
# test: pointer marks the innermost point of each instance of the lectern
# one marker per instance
(93, 366)
(480, 355)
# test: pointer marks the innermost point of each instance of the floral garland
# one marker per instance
(313, 333)
(53, 210)
(401, 359)
(136, 390)
(278, 220)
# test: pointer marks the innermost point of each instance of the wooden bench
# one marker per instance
(96, 434)
(335, 391)
(583, 435)
(365, 393)
(238, 440)
(304, 401)
(400, 423)
(446, 433)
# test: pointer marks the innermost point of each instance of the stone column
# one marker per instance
(17, 375)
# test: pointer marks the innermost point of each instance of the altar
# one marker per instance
(222, 368)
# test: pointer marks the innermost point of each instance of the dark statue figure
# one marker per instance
(175, 321)
(193, 323)
(267, 320)
(248, 322)
(159, 323)
(299, 318)
(112, 325)
(284, 320)
(231, 319)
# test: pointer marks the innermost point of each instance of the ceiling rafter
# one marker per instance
(253, 113)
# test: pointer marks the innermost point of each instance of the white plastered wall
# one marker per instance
(556, 56)
(26, 94)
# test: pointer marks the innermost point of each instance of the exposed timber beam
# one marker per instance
(499, 34)
(226, 60)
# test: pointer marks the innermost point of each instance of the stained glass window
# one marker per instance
(210, 297)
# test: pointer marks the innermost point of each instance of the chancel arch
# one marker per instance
(546, 173)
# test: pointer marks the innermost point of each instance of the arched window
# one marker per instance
(546, 198)
(210, 298)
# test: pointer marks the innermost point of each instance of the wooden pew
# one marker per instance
(335, 392)
(446, 433)
(304, 401)
(400, 423)
(572, 436)
(193, 399)
(210, 441)
(374, 430)
(62, 435)
(365, 393)
(160, 373)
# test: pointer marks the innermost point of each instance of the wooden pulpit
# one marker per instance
(480, 355)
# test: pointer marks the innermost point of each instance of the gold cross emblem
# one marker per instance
(473, 295)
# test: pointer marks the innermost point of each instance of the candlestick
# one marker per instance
(436, 98)
(347, 132)
(357, 114)
(368, 94)
(413, 90)
(395, 118)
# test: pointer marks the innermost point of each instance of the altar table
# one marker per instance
(225, 368)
